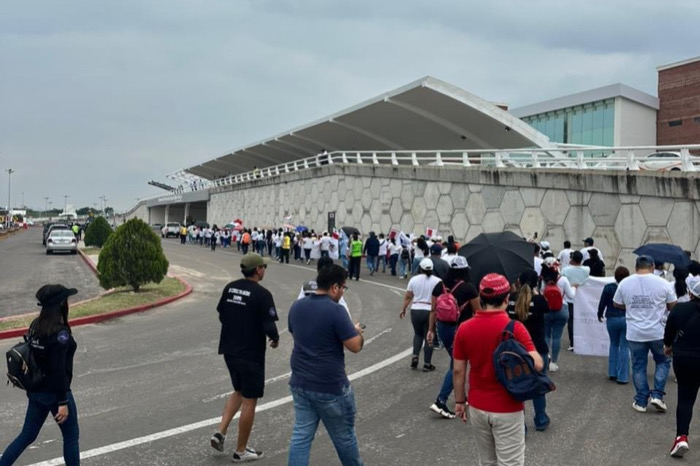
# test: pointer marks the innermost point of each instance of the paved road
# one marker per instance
(25, 267)
(153, 384)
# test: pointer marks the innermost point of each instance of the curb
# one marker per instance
(87, 260)
(18, 332)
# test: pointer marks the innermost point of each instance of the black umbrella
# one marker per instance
(349, 231)
(201, 224)
(505, 253)
(667, 253)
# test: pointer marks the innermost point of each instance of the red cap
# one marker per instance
(493, 284)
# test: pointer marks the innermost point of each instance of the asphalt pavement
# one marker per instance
(150, 388)
(25, 267)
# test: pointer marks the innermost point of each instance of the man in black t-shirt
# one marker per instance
(247, 314)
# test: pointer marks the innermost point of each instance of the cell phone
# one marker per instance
(363, 326)
(535, 235)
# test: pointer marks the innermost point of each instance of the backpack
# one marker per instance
(446, 309)
(515, 368)
(405, 254)
(23, 371)
(553, 295)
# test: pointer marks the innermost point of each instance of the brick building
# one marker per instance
(678, 121)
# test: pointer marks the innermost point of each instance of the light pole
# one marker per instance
(9, 194)
(46, 206)
(65, 204)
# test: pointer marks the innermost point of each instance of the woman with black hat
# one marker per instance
(53, 347)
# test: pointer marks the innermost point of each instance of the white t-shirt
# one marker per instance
(564, 257)
(383, 246)
(341, 302)
(645, 298)
(422, 288)
(325, 243)
(538, 265)
(307, 243)
(394, 249)
(577, 275)
(448, 258)
(567, 291)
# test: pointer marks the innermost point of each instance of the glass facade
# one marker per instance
(590, 124)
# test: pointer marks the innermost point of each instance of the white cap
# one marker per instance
(426, 264)
(459, 262)
(544, 244)
(694, 287)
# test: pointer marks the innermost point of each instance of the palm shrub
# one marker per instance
(132, 256)
(97, 232)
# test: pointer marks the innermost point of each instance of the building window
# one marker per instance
(675, 122)
(697, 120)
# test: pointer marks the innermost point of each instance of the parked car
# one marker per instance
(61, 240)
(157, 227)
(661, 161)
(170, 229)
(49, 227)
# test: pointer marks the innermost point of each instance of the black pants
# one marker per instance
(285, 256)
(307, 254)
(354, 267)
(183, 238)
(687, 371)
(570, 325)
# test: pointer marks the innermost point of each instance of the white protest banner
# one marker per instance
(591, 336)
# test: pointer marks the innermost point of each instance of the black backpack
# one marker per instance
(22, 369)
(515, 368)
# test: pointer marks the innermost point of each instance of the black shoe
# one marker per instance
(441, 408)
(217, 441)
(428, 368)
(414, 362)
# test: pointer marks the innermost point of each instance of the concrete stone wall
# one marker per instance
(621, 211)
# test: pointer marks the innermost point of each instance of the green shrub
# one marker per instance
(132, 256)
(97, 232)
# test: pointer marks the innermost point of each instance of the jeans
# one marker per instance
(393, 259)
(687, 370)
(446, 332)
(420, 320)
(554, 323)
(404, 266)
(381, 260)
(372, 263)
(307, 254)
(39, 407)
(619, 356)
(414, 266)
(338, 415)
(640, 355)
(540, 403)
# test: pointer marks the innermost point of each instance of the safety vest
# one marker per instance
(356, 248)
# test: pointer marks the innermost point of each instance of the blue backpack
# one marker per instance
(515, 368)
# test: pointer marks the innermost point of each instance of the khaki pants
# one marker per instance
(500, 437)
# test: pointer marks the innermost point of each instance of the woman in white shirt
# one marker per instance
(554, 321)
(419, 295)
(394, 251)
(383, 248)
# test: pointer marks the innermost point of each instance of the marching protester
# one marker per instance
(497, 418)
(645, 298)
(577, 274)
(247, 314)
(619, 352)
(526, 305)
(355, 253)
(310, 287)
(557, 290)
(53, 347)
(419, 297)
(682, 341)
(454, 301)
(320, 388)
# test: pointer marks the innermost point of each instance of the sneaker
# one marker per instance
(248, 455)
(659, 404)
(553, 367)
(414, 362)
(217, 441)
(570, 348)
(428, 368)
(441, 408)
(638, 408)
(680, 446)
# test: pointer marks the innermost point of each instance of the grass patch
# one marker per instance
(121, 298)
(90, 251)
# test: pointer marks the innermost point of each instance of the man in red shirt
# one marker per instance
(497, 418)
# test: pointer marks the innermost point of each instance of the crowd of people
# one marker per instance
(646, 312)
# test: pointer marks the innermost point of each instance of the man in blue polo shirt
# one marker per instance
(320, 388)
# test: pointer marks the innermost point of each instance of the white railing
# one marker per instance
(568, 157)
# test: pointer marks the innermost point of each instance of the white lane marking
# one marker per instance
(213, 421)
(287, 374)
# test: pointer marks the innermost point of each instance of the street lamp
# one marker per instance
(65, 204)
(9, 194)
(46, 206)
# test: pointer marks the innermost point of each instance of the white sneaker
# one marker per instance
(553, 367)
(248, 455)
(639, 409)
(659, 404)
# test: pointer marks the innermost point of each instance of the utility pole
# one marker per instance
(65, 203)
(9, 195)
(46, 206)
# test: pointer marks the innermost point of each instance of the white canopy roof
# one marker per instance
(427, 114)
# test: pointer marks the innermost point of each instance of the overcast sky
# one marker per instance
(99, 97)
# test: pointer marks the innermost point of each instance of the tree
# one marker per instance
(132, 256)
(97, 232)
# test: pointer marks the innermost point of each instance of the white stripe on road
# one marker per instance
(213, 421)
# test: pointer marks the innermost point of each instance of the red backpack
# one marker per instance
(446, 309)
(554, 297)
